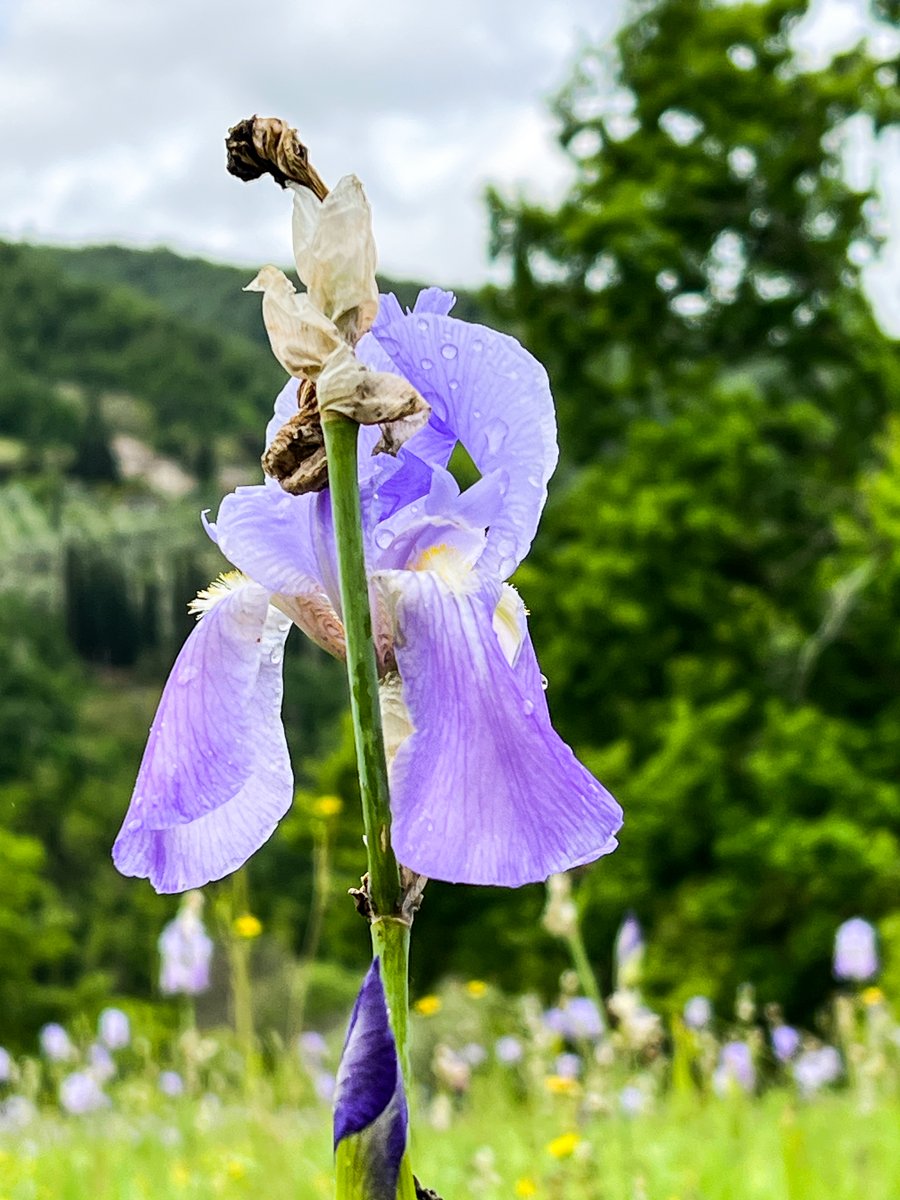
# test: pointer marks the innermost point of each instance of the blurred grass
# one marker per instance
(764, 1150)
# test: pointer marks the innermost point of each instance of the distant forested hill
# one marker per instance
(107, 340)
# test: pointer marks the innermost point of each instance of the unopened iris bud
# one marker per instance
(370, 1112)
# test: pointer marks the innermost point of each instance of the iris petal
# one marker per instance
(484, 791)
(495, 397)
(216, 776)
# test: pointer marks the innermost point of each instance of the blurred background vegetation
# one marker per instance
(714, 590)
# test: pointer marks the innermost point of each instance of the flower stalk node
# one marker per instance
(260, 146)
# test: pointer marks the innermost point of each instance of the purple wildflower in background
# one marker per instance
(735, 1069)
(81, 1093)
(114, 1029)
(170, 1083)
(855, 951)
(100, 1062)
(370, 1113)
(508, 1050)
(785, 1042)
(185, 951)
(473, 1054)
(311, 1047)
(629, 952)
(632, 1101)
(698, 1013)
(816, 1068)
(6, 1065)
(483, 790)
(568, 1066)
(56, 1043)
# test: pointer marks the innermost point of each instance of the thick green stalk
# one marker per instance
(390, 935)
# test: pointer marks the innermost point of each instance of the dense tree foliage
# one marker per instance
(722, 381)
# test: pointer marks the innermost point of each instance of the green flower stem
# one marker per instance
(390, 934)
(583, 968)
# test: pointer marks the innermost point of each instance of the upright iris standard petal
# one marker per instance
(495, 397)
(216, 777)
(370, 1111)
(483, 791)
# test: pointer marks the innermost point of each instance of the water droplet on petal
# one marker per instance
(454, 385)
(495, 434)
(275, 656)
(449, 351)
(426, 364)
(134, 824)
(527, 707)
(389, 345)
(187, 674)
(477, 346)
(544, 682)
(383, 539)
(476, 413)
(421, 325)
(534, 480)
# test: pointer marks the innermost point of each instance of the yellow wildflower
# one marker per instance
(247, 926)
(564, 1145)
(327, 806)
(560, 1085)
(525, 1187)
(476, 988)
(873, 995)
(428, 1006)
(181, 1176)
(235, 1169)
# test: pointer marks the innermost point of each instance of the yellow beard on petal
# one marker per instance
(210, 596)
(448, 563)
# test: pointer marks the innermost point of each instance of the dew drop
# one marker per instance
(495, 433)
(454, 385)
(389, 345)
(383, 539)
(134, 824)
(422, 326)
(477, 346)
(476, 413)
(544, 682)
(187, 673)
(276, 656)
(426, 364)
(527, 707)
(449, 351)
(534, 480)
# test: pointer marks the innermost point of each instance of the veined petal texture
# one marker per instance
(215, 778)
(495, 397)
(484, 791)
(370, 1111)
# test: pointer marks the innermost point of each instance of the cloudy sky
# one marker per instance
(119, 110)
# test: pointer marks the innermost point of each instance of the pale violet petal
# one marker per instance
(484, 791)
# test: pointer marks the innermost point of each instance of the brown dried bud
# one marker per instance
(260, 146)
(296, 457)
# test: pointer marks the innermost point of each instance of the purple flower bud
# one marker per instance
(114, 1029)
(698, 1012)
(629, 952)
(508, 1050)
(81, 1093)
(785, 1042)
(170, 1083)
(56, 1043)
(855, 951)
(370, 1112)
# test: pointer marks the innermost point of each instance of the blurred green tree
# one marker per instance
(722, 387)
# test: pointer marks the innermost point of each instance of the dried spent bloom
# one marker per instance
(370, 1112)
(483, 790)
(185, 951)
(114, 1029)
(855, 951)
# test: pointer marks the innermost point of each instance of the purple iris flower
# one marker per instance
(483, 790)
(509, 1050)
(114, 1029)
(81, 1093)
(855, 951)
(185, 951)
(785, 1042)
(816, 1068)
(56, 1043)
(698, 1012)
(171, 1084)
(370, 1112)
(6, 1065)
